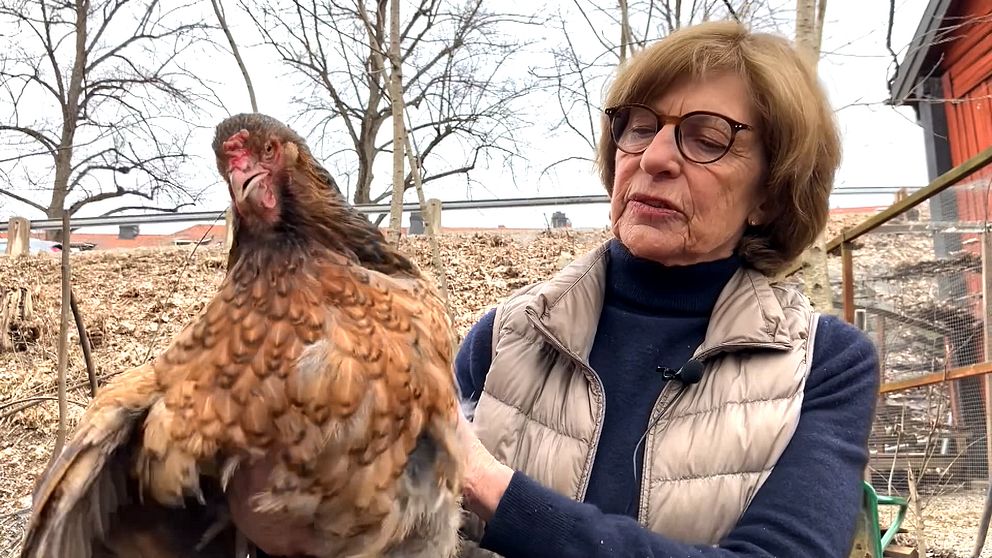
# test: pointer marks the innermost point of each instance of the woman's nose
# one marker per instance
(662, 154)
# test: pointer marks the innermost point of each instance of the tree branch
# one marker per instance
(23, 200)
(50, 144)
(730, 9)
(219, 12)
(173, 209)
(456, 54)
(888, 43)
(108, 100)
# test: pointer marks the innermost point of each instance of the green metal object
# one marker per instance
(869, 540)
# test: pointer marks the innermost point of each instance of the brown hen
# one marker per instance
(310, 408)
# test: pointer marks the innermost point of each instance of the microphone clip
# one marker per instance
(690, 373)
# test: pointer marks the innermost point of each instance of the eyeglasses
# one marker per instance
(702, 137)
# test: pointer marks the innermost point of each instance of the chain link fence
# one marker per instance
(919, 292)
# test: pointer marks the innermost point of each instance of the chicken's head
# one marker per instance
(282, 196)
(256, 155)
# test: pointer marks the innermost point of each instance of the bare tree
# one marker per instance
(597, 36)
(399, 125)
(218, 7)
(809, 36)
(809, 26)
(95, 103)
(458, 86)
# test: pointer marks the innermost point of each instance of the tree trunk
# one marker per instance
(70, 116)
(372, 116)
(63, 355)
(371, 123)
(363, 185)
(805, 25)
(399, 128)
(821, 12)
(624, 30)
(809, 29)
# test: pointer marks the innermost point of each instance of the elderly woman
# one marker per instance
(662, 396)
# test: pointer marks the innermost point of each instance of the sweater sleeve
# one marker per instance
(475, 354)
(807, 507)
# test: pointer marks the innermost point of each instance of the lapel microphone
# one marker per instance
(690, 373)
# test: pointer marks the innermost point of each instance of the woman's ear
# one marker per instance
(756, 219)
(760, 215)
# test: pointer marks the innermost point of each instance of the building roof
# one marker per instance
(216, 233)
(920, 57)
(112, 241)
(197, 232)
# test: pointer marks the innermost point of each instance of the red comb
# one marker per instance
(236, 142)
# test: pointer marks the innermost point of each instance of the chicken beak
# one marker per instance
(246, 181)
(240, 180)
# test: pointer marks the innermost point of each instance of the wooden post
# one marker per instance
(987, 319)
(881, 344)
(18, 236)
(847, 281)
(428, 208)
(433, 215)
(229, 229)
(960, 442)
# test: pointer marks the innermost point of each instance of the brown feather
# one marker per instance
(316, 386)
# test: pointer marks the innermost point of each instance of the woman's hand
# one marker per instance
(486, 478)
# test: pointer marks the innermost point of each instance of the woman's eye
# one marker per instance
(716, 144)
(641, 131)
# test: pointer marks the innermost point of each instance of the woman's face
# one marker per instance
(674, 211)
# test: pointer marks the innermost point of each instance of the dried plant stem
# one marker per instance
(40, 399)
(983, 525)
(21, 511)
(921, 541)
(442, 273)
(84, 341)
(18, 405)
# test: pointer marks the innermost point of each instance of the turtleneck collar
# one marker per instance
(648, 287)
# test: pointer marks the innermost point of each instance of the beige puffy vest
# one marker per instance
(706, 455)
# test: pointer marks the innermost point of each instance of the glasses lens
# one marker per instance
(633, 128)
(705, 138)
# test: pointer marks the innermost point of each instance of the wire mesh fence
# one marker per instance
(919, 292)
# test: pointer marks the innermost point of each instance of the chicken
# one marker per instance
(310, 409)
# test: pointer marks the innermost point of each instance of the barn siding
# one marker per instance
(967, 79)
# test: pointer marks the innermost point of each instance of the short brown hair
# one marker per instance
(797, 125)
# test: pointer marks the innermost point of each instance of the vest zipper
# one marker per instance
(665, 404)
(661, 406)
(598, 389)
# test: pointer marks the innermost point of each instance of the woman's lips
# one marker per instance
(652, 210)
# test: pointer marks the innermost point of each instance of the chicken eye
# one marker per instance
(269, 148)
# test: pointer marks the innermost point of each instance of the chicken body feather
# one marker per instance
(312, 401)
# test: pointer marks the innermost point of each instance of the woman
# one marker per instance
(661, 396)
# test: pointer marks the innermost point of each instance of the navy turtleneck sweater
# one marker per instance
(656, 316)
(668, 309)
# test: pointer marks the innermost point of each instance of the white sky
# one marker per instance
(883, 146)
